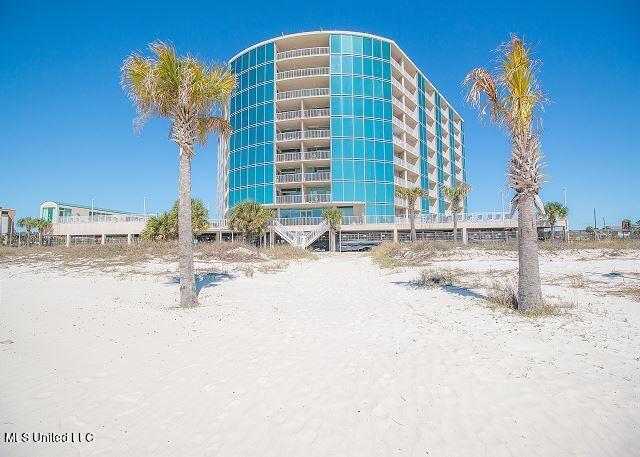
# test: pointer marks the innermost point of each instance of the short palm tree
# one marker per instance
(333, 216)
(26, 223)
(251, 219)
(455, 195)
(411, 194)
(191, 95)
(44, 226)
(157, 228)
(165, 226)
(555, 211)
(512, 99)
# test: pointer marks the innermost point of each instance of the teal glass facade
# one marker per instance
(336, 119)
(251, 114)
(422, 132)
(361, 128)
(439, 157)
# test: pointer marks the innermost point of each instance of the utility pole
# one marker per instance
(564, 194)
(595, 220)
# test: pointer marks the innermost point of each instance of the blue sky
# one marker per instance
(67, 125)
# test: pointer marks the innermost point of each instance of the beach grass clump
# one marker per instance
(632, 292)
(503, 294)
(273, 267)
(288, 252)
(228, 252)
(392, 255)
(436, 278)
(577, 281)
(248, 271)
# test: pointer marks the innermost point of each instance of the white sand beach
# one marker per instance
(332, 357)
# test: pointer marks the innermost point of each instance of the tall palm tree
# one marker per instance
(27, 223)
(411, 194)
(455, 195)
(512, 99)
(251, 219)
(191, 95)
(333, 216)
(555, 211)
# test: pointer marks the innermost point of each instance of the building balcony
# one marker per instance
(324, 154)
(303, 135)
(407, 165)
(403, 182)
(303, 114)
(301, 93)
(399, 201)
(317, 176)
(302, 73)
(302, 199)
(287, 178)
(304, 52)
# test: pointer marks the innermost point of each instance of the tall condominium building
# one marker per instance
(336, 118)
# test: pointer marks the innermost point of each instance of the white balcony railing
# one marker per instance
(299, 177)
(401, 201)
(298, 93)
(324, 154)
(305, 52)
(288, 156)
(318, 176)
(303, 134)
(302, 72)
(408, 165)
(289, 178)
(303, 113)
(302, 198)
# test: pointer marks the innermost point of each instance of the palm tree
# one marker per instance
(26, 223)
(512, 99)
(411, 194)
(251, 219)
(191, 95)
(456, 195)
(43, 226)
(333, 216)
(555, 211)
(157, 228)
(165, 226)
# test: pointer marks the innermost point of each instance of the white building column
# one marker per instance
(465, 236)
(103, 239)
(68, 241)
(129, 238)
(395, 235)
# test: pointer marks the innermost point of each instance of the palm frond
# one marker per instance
(213, 124)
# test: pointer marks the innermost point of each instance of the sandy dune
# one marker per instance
(334, 357)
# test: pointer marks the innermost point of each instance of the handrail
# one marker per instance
(306, 134)
(323, 154)
(304, 52)
(302, 72)
(314, 92)
(301, 114)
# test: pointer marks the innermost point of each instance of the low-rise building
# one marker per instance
(56, 211)
(7, 220)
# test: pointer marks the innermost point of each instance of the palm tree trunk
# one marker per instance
(332, 240)
(185, 233)
(529, 289)
(412, 222)
(455, 227)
